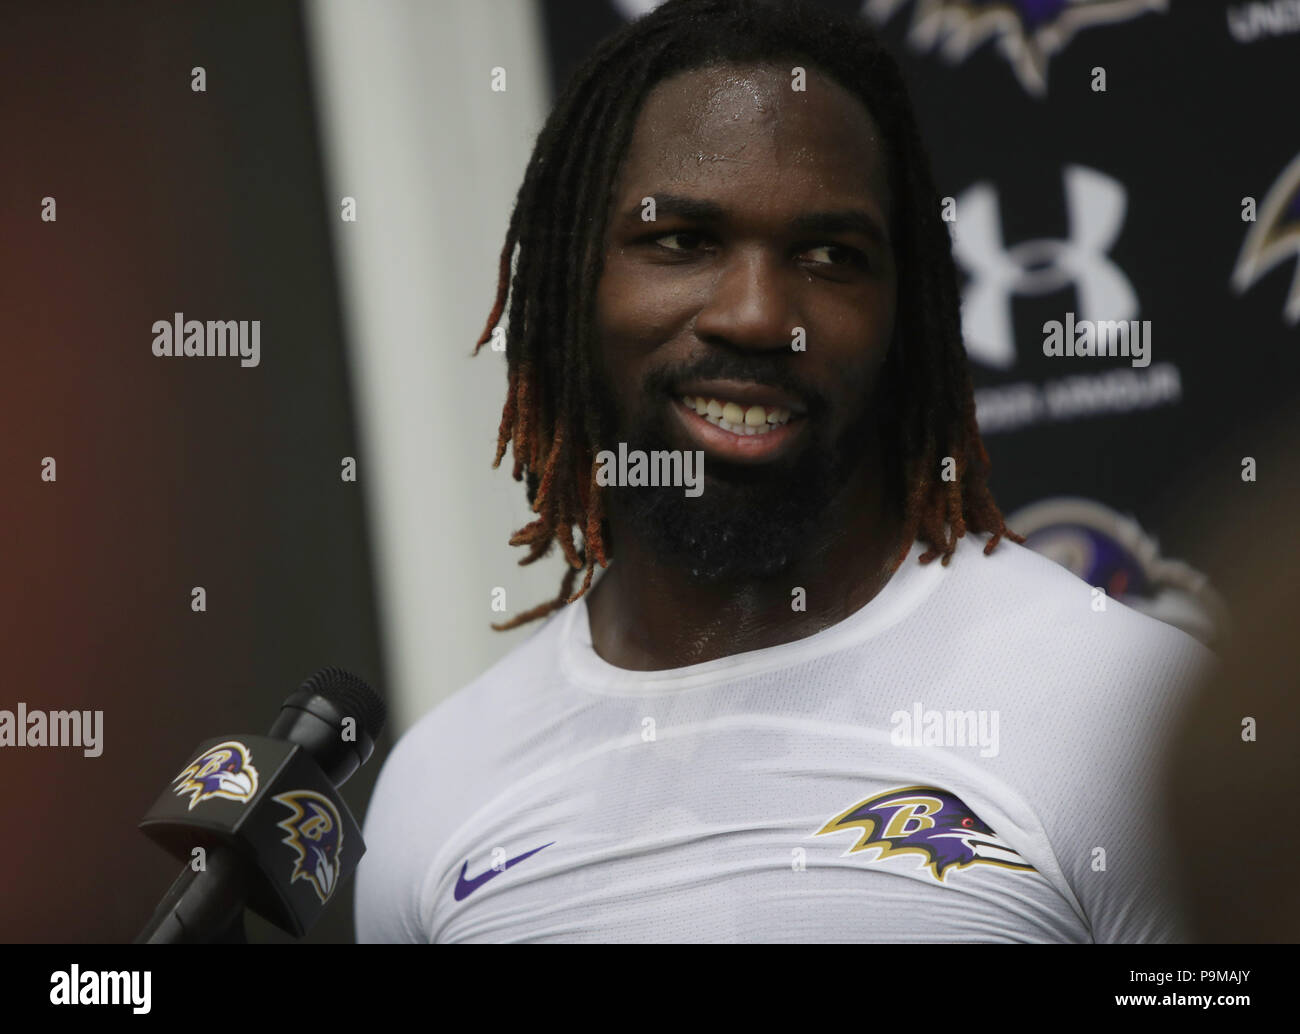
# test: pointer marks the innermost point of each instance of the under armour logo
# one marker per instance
(1096, 204)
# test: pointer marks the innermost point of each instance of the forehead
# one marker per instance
(744, 130)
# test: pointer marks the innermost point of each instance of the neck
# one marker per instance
(649, 616)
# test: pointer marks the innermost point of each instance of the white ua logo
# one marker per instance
(1096, 204)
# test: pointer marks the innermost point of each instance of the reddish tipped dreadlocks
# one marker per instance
(558, 223)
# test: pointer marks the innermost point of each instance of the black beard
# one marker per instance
(733, 530)
(749, 522)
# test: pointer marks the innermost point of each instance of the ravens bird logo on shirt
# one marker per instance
(927, 821)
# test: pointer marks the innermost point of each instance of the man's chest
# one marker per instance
(743, 838)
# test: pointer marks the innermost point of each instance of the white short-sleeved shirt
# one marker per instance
(975, 755)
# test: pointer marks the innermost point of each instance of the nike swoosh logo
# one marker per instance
(464, 887)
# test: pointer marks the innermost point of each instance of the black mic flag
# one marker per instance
(258, 820)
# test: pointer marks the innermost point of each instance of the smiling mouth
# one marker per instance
(729, 431)
(736, 418)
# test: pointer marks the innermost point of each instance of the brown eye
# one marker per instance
(840, 255)
(689, 238)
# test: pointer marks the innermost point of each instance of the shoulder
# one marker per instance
(434, 777)
(1020, 603)
(459, 729)
(1090, 692)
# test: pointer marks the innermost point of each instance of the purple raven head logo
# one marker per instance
(225, 770)
(1274, 238)
(315, 832)
(1028, 32)
(929, 822)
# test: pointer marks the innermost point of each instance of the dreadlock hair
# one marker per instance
(559, 224)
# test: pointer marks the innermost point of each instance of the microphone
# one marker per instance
(259, 821)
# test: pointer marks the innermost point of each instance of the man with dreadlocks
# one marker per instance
(771, 717)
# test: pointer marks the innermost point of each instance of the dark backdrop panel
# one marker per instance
(172, 473)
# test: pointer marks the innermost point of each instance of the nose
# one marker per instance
(749, 306)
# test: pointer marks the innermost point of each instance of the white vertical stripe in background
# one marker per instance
(433, 156)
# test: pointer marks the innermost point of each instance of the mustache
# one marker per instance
(773, 371)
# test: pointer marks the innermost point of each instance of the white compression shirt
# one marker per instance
(972, 756)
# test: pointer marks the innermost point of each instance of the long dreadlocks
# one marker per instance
(559, 223)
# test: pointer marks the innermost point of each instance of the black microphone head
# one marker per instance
(336, 717)
(351, 696)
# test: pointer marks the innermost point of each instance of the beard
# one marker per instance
(750, 521)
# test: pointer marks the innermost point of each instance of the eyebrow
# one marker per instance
(840, 220)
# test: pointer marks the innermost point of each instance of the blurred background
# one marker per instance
(345, 176)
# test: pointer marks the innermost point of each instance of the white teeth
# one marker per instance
(738, 419)
(739, 429)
